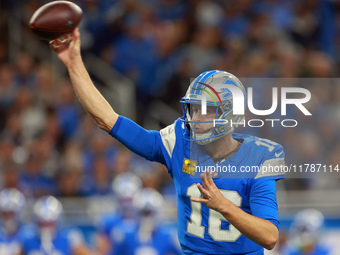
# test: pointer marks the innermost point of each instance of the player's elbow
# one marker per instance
(270, 245)
(271, 240)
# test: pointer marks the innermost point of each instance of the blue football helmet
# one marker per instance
(126, 185)
(306, 227)
(149, 203)
(220, 90)
(11, 200)
(148, 200)
(48, 209)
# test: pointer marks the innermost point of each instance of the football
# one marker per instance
(55, 19)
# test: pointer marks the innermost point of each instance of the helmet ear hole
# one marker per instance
(219, 112)
(226, 106)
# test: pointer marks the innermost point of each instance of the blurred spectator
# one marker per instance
(53, 129)
(68, 110)
(25, 75)
(203, 52)
(10, 175)
(98, 146)
(34, 178)
(31, 116)
(70, 183)
(319, 65)
(305, 24)
(7, 92)
(45, 90)
(101, 181)
(122, 161)
(6, 149)
(171, 9)
(235, 20)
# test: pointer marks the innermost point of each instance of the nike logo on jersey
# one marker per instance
(278, 154)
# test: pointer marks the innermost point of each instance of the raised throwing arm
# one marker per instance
(95, 104)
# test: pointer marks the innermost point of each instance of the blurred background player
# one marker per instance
(150, 237)
(112, 226)
(11, 203)
(305, 234)
(48, 238)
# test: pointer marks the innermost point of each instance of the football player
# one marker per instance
(236, 215)
(305, 233)
(11, 234)
(49, 238)
(149, 237)
(112, 227)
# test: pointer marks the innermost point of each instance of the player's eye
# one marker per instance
(211, 109)
(193, 109)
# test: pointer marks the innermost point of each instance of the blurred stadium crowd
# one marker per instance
(50, 146)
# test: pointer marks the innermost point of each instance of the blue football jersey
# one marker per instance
(62, 243)
(116, 229)
(200, 229)
(160, 242)
(11, 245)
(108, 222)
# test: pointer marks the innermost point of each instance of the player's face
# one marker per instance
(196, 115)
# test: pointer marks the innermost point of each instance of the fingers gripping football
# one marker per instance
(67, 49)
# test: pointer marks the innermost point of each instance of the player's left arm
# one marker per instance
(261, 231)
(103, 245)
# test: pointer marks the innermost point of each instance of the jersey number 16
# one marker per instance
(194, 226)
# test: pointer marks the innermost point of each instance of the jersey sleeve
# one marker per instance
(273, 163)
(151, 145)
(262, 200)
